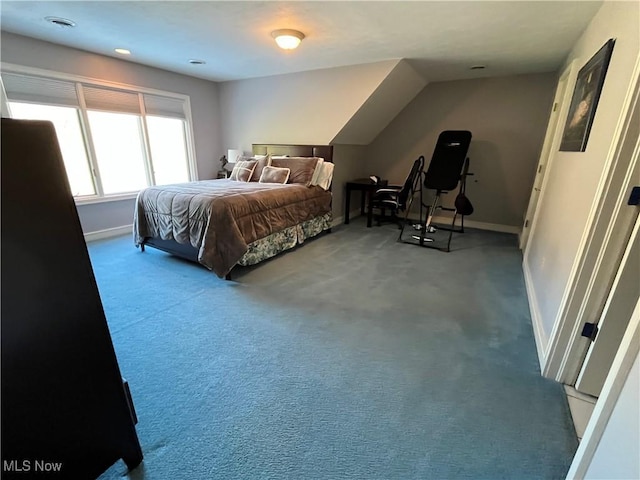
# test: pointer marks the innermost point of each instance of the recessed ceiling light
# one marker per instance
(123, 51)
(195, 61)
(477, 67)
(61, 22)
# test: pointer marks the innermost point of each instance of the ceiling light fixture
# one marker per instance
(287, 39)
(61, 22)
(123, 51)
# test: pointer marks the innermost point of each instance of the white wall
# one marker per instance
(349, 164)
(573, 177)
(298, 108)
(507, 117)
(618, 453)
(29, 52)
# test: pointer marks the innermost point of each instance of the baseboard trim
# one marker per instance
(542, 342)
(124, 229)
(572, 392)
(108, 233)
(493, 227)
(340, 220)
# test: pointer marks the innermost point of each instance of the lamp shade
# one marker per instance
(232, 155)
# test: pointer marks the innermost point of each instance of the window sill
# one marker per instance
(110, 198)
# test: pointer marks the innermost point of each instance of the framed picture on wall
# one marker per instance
(585, 100)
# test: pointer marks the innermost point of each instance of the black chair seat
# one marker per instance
(394, 197)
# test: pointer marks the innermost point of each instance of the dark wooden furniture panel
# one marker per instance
(367, 189)
(63, 398)
(323, 151)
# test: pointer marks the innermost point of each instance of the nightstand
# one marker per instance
(367, 189)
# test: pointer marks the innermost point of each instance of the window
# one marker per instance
(166, 140)
(67, 124)
(114, 141)
(119, 151)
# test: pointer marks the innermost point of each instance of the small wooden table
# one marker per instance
(367, 189)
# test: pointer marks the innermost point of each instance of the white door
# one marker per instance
(613, 322)
(550, 145)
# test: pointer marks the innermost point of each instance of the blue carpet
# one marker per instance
(351, 357)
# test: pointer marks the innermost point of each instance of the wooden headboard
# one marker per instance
(323, 151)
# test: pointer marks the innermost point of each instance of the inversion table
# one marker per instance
(448, 168)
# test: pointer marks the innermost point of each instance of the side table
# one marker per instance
(367, 188)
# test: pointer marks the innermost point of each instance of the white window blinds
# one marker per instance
(35, 89)
(23, 88)
(164, 106)
(110, 100)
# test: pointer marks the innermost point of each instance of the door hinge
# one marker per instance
(590, 330)
(555, 106)
(526, 223)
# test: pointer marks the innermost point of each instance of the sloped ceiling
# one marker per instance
(394, 93)
(306, 107)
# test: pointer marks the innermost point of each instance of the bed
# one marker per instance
(225, 222)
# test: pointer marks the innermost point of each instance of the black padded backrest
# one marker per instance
(448, 159)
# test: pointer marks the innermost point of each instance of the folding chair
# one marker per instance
(396, 198)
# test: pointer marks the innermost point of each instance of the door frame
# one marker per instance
(612, 323)
(600, 251)
(561, 102)
(613, 385)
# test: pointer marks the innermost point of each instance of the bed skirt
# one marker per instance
(285, 239)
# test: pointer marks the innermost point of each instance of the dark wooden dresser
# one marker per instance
(66, 412)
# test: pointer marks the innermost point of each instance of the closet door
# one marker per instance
(64, 407)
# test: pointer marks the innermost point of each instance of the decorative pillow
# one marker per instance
(252, 157)
(262, 161)
(317, 172)
(274, 175)
(243, 170)
(302, 168)
(325, 176)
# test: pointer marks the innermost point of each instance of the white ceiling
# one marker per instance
(441, 40)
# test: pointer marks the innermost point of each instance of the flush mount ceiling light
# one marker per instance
(123, 51)
(61, 22)
(287, 39)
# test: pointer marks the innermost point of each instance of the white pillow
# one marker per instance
(316, 172)
(325, 176)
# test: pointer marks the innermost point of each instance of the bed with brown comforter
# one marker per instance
(221, 223)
